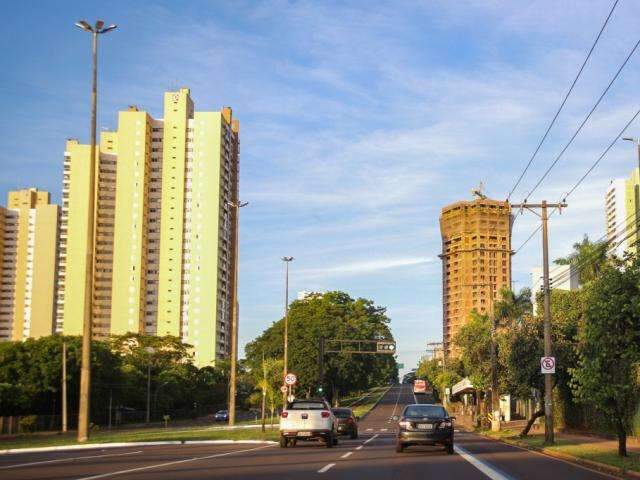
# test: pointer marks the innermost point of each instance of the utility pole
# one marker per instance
(233, 382)
(549, 437)
(64, 387)
(286, 261)
(85, 368)
(150, 351)
(320, 364)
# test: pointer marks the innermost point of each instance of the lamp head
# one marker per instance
(84, 26)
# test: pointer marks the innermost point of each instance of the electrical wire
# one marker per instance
(564, 100)
(584, 121)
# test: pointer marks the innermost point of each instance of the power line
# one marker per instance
(566, 97)
(584, 121)
(595, 164)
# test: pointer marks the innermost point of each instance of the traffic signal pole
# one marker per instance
(549, 437)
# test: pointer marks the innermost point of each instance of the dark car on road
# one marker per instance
(347, 422)
(424, 424)
(221, 416)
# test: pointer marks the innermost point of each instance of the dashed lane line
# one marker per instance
(167, 464)
(71, 459)
(347, 455)
(326, 467)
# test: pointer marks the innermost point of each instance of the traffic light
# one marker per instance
(320, 390)
(386, 346)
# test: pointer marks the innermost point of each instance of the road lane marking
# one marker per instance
(370, 439)
(166, 464)
(484, 467)
(360, 447)
(326, 467)
(346, 455)
(369, 430)
(67, 460)
(383, 429)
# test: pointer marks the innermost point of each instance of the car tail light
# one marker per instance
(445, 424)
(349, 420)
(284, 414)
(325, 414)
(404, 424)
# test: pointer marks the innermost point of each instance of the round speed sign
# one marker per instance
(290, 379)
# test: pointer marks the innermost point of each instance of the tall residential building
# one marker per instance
(476, 260)
(28, 254)
(616, 214)
(165, 227)
(632, 207)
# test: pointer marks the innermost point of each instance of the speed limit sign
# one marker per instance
(290, 379)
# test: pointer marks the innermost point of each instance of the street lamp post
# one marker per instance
(636, 187)
(234, 315)
(85, 371)
(286, 261)
(150, 351)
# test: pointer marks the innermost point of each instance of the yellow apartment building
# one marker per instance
(476, 260)
(164, 227)
(28, 254)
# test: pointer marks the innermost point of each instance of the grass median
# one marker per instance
(596, 450)
(363, 403)
(141, 435)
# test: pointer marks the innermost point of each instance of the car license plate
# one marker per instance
(304, 434)
(425, 426)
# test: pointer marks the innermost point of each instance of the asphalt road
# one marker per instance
(370, 457)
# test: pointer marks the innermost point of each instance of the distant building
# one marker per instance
(616, 214)
(561, 277)
(28, 255)
(476, 260)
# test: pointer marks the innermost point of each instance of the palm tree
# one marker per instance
(512, 306)
(265, 383)
(588, 257)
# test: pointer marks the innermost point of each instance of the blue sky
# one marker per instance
(359, 121)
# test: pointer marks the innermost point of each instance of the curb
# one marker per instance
(589, 464)
(90, 446)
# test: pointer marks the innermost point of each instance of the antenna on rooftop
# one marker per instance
(477, 192)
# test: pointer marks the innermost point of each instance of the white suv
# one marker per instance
(307, 420)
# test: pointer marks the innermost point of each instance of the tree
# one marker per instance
(333, 315)
(607, 371)
(588, 257)
(474, 341)
(267, 382)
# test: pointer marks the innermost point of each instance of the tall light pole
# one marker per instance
(85, 371)
(234, 314)
(150, 351)
(286, 261)
(636, 189)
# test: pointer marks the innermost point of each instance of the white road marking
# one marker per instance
(369, 430)
(383, 429)
(326, 467)
(370, 439)
(68, 459)
(346, 455)
(485, 468)
(166, 464)
(360, 447)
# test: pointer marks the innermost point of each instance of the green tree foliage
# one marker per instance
(31, 376)
(439, 374)
(589, 258)
(333, 315)
(474, 341)
(606, 375)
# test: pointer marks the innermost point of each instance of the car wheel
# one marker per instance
(399, 447)
(284, 441)
(449, 448)
(335, 441)
(328, 440)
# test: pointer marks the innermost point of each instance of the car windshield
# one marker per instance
(307, 406)
(342, 412)
(425, 411)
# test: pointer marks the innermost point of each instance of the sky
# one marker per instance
(359, 121)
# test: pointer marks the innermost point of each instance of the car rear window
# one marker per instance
(342, 412)
(425, 411)
(307, 406)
